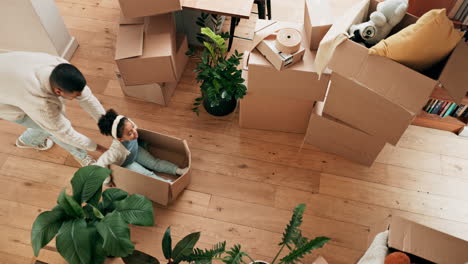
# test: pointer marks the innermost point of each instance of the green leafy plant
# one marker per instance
(185, 250)
(88, 229)
(212, 21)
(218, 74)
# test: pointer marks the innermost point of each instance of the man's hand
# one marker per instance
(101, 148)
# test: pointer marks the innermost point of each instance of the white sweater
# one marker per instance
(25, 90)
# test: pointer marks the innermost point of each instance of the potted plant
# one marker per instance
(185, 250)
(88, 229)
(221, 82)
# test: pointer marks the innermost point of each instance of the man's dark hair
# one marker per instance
(106, 121)
(68, 78)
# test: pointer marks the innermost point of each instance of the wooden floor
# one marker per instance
(245, 182)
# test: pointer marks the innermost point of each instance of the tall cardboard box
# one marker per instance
(366, 109)
(334, 136)
(146, 53)
(163, 147)
(141, 8)
(300, 81)
(158, 93)
(425, 242)
(392, 80)
(319, 16)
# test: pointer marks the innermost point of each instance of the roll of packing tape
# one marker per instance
(288, 40)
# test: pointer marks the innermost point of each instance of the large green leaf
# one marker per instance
(185, 247)
(45, 227)
(71, 207)
(112, 195)
(138, 257)
(217, 39)
(167, 244)
(116, 234)
(74, 242)
(235, 255)
(299, 253)
(136, 209)
(98, 253)
(200, 256)
(87, 181)
(292, 229)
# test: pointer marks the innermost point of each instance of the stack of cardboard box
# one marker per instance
(280, 100)
(372, 99)
(149, 54)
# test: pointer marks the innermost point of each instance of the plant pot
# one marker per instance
(224, 108)
(259, 262)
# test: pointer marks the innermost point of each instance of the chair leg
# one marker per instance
(231, 31)
(268, 5)
(261, 9)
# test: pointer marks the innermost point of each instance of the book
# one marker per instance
(452, 107)
(443, 108)
(460, 11)
(455, 8)
(433, 105)
(461, 110)
(446, 108)
(428, 105)
(455, 110)
(437, 107)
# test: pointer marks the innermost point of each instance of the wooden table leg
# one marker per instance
(231, 31)
(261, 9)
(268, 5)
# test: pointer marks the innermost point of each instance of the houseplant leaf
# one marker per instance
(234, 255)
(299, 253)
(206, 256)
(138, 257)
(112, 195)
(292, 229)
(98, 254)
(74, 243)
(45, 227)
(70, 206)
(185, 247)
(87, 181)
(167, 244)
(136, 210)
(116, 234)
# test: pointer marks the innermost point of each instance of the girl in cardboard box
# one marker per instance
(126, 152)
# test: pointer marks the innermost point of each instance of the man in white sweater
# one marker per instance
(33, 87)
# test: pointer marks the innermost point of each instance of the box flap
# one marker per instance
(184, 180)
(426, 243)
(133, 182)
(129, 41)
(130, 21)
(140, 8)
(454, 77)
(160, 36)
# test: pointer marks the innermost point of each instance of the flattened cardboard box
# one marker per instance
(300, 81)
(146, 53)
(163, 147)
(425, 242)
(141, 8)
(394, 81)
(319, 16)
(366, 110)
(333, 136)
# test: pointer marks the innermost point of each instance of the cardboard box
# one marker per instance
(320, 260)
(332, 135)
(278, 59)
(130, 20)
(300, 81)
(319, 16)
(145, 53)
(366, 109)
(425, 242)
(163, 147)
(141, 8)
(274, 113)
(180, 60)
(158, 93)
(394, 81)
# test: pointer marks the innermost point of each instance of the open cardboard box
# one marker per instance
(366, 110)
(394, 81)
(319, 16)
(141, 8)
(146, 53)
(300, 81)
(425, 242)
(334, 136)
(163, 147)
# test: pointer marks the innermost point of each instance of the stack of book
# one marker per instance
(446, 108)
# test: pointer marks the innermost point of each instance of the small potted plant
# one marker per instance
(185, 250)
(88, 230)
(221, 81)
